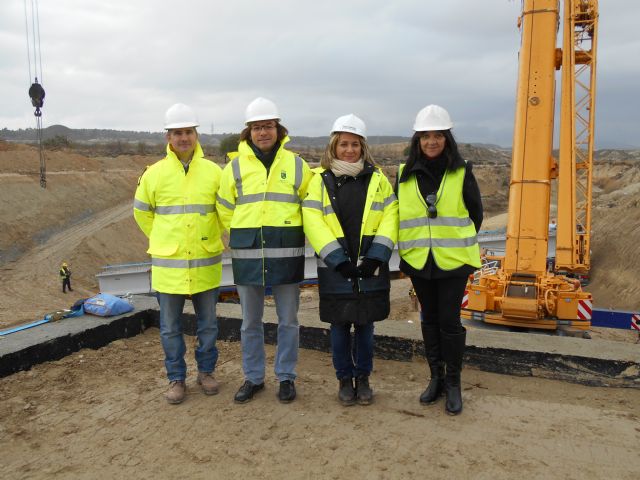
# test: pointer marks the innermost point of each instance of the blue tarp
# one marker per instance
(106, 305)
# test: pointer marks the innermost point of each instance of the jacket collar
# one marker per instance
(197, 153)
(367, 169)
(439, 166)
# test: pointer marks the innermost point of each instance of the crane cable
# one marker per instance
(36, 91)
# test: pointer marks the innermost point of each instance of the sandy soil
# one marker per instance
(100, 414)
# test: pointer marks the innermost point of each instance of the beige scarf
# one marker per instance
(340, 167)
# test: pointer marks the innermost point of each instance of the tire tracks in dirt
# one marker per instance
(28, 286)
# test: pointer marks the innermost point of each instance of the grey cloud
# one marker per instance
(120, 64)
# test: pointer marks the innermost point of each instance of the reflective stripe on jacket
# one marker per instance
(451, 235)
(176, 210)
(378, 234)
(263, 214)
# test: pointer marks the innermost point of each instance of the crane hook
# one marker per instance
(36, 92)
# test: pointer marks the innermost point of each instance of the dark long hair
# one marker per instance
(454, 159)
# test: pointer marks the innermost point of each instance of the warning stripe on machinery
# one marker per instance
(465, 299)
(635, 321)
(584, 309)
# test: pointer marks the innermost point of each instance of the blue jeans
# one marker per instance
(287, 298)
(352, 357)
(206, 353)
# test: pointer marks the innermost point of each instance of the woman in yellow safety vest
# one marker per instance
(351, 219)
(440, 214)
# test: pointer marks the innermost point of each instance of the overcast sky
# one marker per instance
(120, 64)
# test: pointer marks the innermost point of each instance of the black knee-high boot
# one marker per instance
(431, 338)
(452, 352)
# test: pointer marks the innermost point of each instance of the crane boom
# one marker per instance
(573, 240)
(527, 228)
(522, 291)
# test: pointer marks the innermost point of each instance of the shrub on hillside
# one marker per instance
(229, 144)
(56, 143)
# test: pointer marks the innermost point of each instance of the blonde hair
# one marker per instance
(330, 152)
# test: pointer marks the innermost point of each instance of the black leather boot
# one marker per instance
(431, 339)
(364, 394)
(347, 394)
(452, 351)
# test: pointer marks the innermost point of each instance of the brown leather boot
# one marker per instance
(176, 393)
(209, 384)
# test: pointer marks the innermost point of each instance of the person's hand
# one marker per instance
(347, 270)
(368, 267)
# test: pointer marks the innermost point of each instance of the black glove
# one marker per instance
(347, 270)
(368, 267)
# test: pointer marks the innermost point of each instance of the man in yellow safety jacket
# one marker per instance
(175, 207)
(259, 201)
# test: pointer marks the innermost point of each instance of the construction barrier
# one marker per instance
(615, 319)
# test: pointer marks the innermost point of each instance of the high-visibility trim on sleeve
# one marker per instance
(140, 205)
(225, 203)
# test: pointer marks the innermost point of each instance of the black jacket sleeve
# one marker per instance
(471, 197)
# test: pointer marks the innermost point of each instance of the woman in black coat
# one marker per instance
(350, 216)
(440, 215)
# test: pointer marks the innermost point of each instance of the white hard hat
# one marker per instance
(350, 124)
(261, 109)
(432, 117)
(180, 116)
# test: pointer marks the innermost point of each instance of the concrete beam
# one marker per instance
(576, 360)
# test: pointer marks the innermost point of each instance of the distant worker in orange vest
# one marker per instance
(65, 275)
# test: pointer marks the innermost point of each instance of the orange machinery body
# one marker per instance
(522, 291)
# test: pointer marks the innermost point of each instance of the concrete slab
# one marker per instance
(576, 360)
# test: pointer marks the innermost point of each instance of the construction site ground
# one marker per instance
(100, 413)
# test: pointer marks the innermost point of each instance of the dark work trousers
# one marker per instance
(440, 300)
(66, 283)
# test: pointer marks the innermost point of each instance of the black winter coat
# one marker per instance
(348, 196)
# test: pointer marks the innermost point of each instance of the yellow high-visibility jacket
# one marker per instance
(263, 214)
(378, 233)
(176, 210)
(451, 236)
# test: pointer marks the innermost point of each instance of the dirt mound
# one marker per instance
(83, 217)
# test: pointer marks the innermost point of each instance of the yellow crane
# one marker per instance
(522, 291)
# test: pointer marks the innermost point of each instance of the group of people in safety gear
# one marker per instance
(269, 199)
